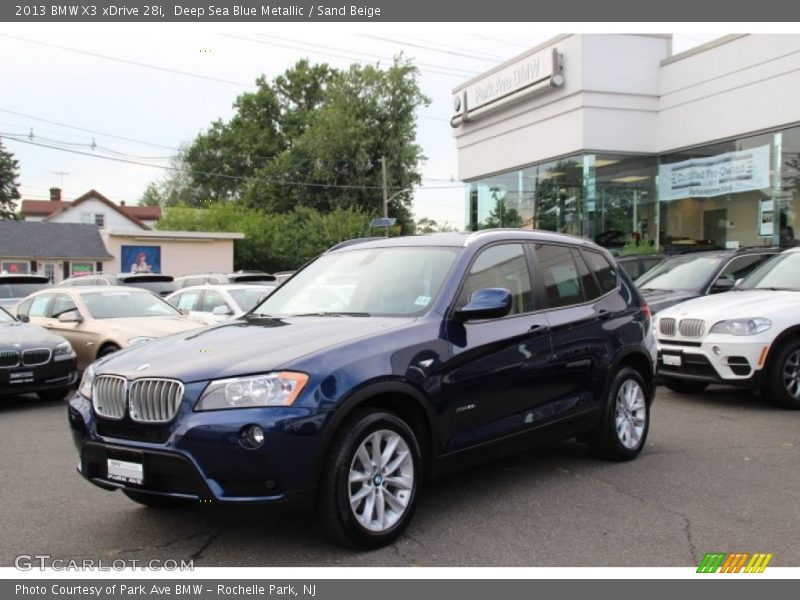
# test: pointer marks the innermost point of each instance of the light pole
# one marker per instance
(386, 221)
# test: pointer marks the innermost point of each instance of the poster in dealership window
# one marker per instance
(141, 259)
(709, 176)
(766, 217)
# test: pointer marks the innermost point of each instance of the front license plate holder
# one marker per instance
(672, 360)
(125, 471)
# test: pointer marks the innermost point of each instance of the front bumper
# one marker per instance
(56, 374)
(201, 455)
(715, 359)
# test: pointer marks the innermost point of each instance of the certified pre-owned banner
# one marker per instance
(709, 176)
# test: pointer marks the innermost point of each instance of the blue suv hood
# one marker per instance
(242, 347)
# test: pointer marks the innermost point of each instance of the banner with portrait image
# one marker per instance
(141, 259)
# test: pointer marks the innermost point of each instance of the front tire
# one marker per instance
(783, 380)
(371, 480)
(622, 432)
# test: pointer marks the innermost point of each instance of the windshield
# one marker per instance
(123, 304)
(5, 317)
(780, 272)
(680, 273)
(248, 299)
(368, 282)
(20, 290)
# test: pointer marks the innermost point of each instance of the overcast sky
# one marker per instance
(135, 92)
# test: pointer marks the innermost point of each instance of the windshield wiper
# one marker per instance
(649, 289)
(778, 289)
(335, 313)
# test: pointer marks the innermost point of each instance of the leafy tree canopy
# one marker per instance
(313, 137)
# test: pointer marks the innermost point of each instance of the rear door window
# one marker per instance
(605, 273)
(562, 282)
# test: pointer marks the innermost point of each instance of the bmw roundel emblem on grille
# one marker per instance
(143, 367)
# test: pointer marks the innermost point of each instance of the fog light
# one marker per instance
(253, 436)
(716, 350)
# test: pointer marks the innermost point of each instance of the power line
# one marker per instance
(210, 174)
(335, 55)
(368, 54)
(110, 135)
(394, 41)
(506, 42)
(493, 57)
(128, 62)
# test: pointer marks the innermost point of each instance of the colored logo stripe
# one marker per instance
(711, 562)
(734, 562)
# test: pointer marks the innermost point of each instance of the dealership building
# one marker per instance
(612, 136)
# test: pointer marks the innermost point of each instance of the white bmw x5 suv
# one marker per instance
(749, 337)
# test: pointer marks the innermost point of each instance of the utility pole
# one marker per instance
(385, 189)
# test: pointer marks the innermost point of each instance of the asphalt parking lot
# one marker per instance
(719, 473)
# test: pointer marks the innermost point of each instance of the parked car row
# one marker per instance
(386, 361)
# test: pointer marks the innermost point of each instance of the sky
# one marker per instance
(105, 106)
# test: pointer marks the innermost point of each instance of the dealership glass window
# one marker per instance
(604, 197)
(787, 184)
(718, 196)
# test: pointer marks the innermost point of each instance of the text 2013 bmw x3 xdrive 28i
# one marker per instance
(376, 365)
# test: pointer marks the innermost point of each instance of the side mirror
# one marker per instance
(71, 316)
(723, 284)
(487, 303)
(221, 311)
(23, 318)
(738, 283)
(183, 311)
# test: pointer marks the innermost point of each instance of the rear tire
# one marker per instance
(682, 386)
(783, 380)
(155, 501)
(369, 488)
(622, 431)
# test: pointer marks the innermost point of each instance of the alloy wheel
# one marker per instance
(381, 480)
(631, 414)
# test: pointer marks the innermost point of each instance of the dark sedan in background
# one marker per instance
(15, 286)
(686, 276)
(34, 360)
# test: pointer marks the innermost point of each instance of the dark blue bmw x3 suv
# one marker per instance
(377, 365)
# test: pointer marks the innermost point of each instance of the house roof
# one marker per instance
(49, 208)
(32, 239)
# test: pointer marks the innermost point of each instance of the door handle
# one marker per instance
(604, 315)
(539, 329)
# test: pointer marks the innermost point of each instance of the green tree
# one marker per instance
(273, 242)
(312, 137)
(502, 216)
(177, 187)
(9, 171)
(425, 225)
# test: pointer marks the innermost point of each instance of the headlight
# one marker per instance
(63, 349)
(742, 326)
(140, 340)
(272, 389)
(85, 389)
